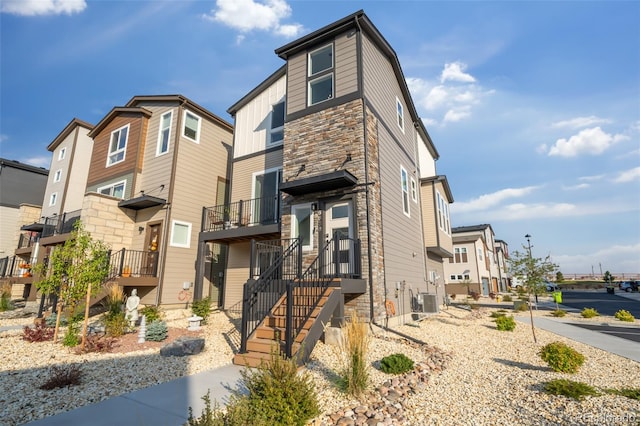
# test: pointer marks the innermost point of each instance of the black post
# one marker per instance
(252, 258)
(245, 318)
(121, 266)
(299, 249)
(288, 332)
(336, 254)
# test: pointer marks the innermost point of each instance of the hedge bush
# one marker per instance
(561, 358)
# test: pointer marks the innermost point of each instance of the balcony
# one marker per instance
(133, 267)
(242, 220)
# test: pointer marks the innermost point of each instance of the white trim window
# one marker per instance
(62, 153)
(480, 256)
(57, 176)
(302, 224)
(400, 114)
(164, 132)
(53, 199)
(452, 277)
(118, 145)
(443, 213)
(320, 73)
(414, 190)
(191, 129)
(276, 133)
(180, 234)
(114, 190)
(404, 185)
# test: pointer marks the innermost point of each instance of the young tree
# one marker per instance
(533, 272)
(559, 277)
(75, 270)
(608, 278)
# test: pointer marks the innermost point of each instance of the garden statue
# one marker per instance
(133, 302)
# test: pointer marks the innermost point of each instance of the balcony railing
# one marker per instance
(28, 239)
(63, 224)
(133, 263)
(15, 266)
(257, 211)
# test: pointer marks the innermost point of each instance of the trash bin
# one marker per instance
(610, 290)
(557, 296)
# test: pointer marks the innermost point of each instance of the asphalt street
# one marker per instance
(603, 302)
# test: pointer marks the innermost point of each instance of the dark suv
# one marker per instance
(628, 286)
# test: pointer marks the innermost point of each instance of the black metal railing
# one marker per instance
(257, 211)
(61, 224)
(261, 294)
(15, 266)
(28, 239)
(133, 263)
(340, 257)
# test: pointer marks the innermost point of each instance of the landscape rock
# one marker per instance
(183, 346)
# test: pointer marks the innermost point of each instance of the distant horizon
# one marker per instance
(532, 108)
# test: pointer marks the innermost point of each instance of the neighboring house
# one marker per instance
(473, 265)
(502, 257)
(21, 190)
(324, 184)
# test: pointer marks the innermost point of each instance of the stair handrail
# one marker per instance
(316, 279)
(269, 282)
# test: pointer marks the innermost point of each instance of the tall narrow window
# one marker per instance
(404, 183)
(414, 190)
(191, 126)
(164, 133)
(277, 124)
(266, 205)
(400, 114)
(320, 75)
(57, 176)
(302, 224)
(53, 199)
(62, 154)
(118, 146)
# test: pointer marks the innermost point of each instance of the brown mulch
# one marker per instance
(129, 342)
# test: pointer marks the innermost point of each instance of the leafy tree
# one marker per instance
(533, 272)
(559, 277)
(75, 270)
(608, 278)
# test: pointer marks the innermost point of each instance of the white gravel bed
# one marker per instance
(494, 378)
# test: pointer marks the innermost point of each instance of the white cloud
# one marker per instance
(592, 141)
(617, 259)
(455, 72)
(487, 201)
(457, 114)
(249, 15)
(580, 122)
(591, 178)
(576, 187)
(628, 176)
(42, 7)
(37, 161)
(3, 138)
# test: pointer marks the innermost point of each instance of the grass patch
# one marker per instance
(355, 344)
(558, 313)
(631, 393)
(570, 389)
(498, 314)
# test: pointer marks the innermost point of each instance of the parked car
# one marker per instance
(628, 285)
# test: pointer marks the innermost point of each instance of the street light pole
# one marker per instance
(529, 271)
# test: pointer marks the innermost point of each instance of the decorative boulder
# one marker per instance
(183, 346)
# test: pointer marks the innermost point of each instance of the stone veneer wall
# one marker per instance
(27, 214)
(321, 142)
(104, 220)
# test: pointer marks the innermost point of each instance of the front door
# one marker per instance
(152, 245)
(339, 221)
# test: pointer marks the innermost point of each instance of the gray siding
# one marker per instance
(243, 171)
(297, 83)
(346, 77)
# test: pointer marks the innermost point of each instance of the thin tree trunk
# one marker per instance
(86, 318)
(533, 329)
(58, 315)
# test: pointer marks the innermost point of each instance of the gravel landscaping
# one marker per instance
(467, 373)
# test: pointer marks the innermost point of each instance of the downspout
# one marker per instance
(167, 216)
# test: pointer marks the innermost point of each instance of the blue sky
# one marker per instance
(533, 106)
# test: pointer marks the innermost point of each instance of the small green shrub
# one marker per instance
(561, 358)
(51, 320)
(71, 337)
(558, 313)
(202, 308)
(497, 314)
(115, 323)
(152, 313)
(5, 302)
(624, 315)
(521, 307)
(39, 333)
(62, 376)
(631, 393)
(569, 388)
(505, 323)
(156, 331)
(507, 298)
(396, 364)
(589, 313)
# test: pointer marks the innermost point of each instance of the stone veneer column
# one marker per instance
(105, 221)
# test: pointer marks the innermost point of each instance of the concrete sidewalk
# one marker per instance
(166, 404)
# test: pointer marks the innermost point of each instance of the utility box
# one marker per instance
(430, 304)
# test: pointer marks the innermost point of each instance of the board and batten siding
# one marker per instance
(243, 171)
(197, 168)
(58, 187)
(237, 274)
(253, 121)
(402, 235)
(381, 88)
(76, 184)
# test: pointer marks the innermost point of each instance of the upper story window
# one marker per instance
(163, 133)
(192, 126)
(57, 176)
(180, 234)
(115, 189)
(277, 124)
(320, 75)
(460, 255)
(53, 199)
(414, 190)
(400, 114)
(118, 145)
(404, 184)
(62, 154)
(443, 213)
(480, 254)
